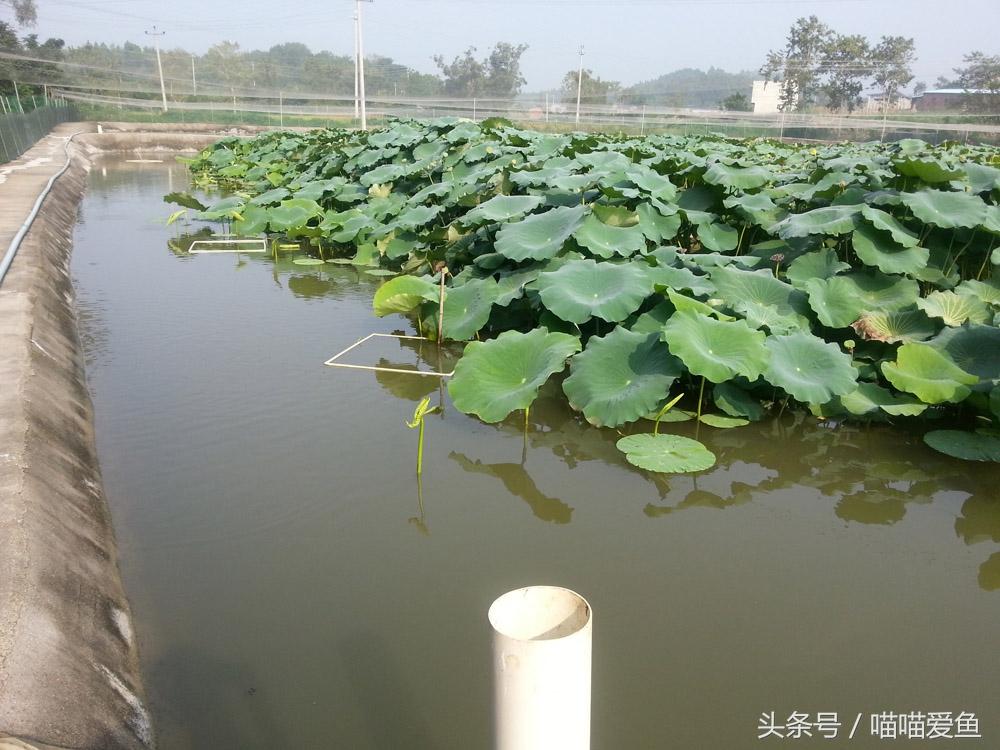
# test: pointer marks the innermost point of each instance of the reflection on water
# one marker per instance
(289, 592)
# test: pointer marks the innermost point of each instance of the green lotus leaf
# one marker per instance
(683, 302)
(885, 222)
(403, 293)
(869, 397)
(652, 321)
(669, 454)
(808, 368)
(878, 249)
(494, 378)
(379, 272)
(185, 200)
(539, 236)
(655, 225)
(501, 208)
(253, 221)
(467, 308)
(651, 182)
(841, 300)
(946, 209)
(669, 277)
(580, 289)
(969, 446)
(974, 348)
(381, 175)
(988, 292)
(722, 422)
(308, 262)
(928, 374)
(955, 309)
(744, 178)
(717, 350)
(615, 216)
(893, 327)
(227, 208)
(821, 264)
(620, 377)
(736, 402)
(276, 195)
(293, 213)
(718, 237)
(832, 220)
(927, 169)
(762, 299)
(982, 178)
(417, 217)
(511, 286)
(606, 241)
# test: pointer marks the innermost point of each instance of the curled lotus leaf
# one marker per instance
(718, 237)
(539, 236)
(669, 454)
(762, 299)
(580, 289)
(988, 292)
(945, 209)
(744, 178)
(928, 374)
(808, 368)
(878, 249)
(969, 446)
(841, 300)
(870, 397)
(927, 169)
(494, 378)
(894, 327)
(403, 294)
(655, 225)
(886, 222)
(974, 348)
(820, 264)
(670, 277)
(736, 402)
(606, 241)
(715, 349)
(467, 308)
(620, 377)
(955, 309)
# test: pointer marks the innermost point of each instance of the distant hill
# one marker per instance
(690, 87)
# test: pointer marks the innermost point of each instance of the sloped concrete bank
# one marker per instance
(69, 666)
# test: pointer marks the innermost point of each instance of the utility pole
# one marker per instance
(361, 63)
(357, 77)
(159, 65)
(194, 80)
(579, 86)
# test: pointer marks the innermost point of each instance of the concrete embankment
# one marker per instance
(69, 666)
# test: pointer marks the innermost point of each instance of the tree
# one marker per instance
(593, 89)
(739, 102)
(499, 74)
(981, 74)
(25, 11)
(799, 63)
(892, 59)
(919, 87)
(846, 66)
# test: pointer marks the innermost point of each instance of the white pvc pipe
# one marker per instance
(541, 669)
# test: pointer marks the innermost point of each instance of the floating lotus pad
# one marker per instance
(494, 378)
(969, 446)
(669, 454)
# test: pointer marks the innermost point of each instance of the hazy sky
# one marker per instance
(628, 40)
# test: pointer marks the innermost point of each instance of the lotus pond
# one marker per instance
(295, 584)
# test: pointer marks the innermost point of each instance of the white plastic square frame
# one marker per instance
(332, 362)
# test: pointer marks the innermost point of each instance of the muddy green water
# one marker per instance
(294, 586)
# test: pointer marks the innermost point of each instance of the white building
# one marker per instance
(766, 96)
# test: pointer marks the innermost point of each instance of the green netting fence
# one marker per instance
(20, 129)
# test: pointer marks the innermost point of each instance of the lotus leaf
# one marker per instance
(679, 278)
(878, 249)
(808, 368)
(584, 288)
(955, 309)
(945, 209)
(969, 446)
(736, 402)
(606, 241)
(841, 300)
(683, 302)
(722, 422)
(744, 178)
(762, 299)
(715, 349)
(821, 264)
(672, 454)
(403, 294)
(655, 225)
(501, 208)
(832, 220)
(718, 237)
(987, 292)
(928, 374)
(974, 348)
(893, 327)
(539, 236)
(620, 377)
(467, 308)
(885, 222)
(496, 377)
(869, 397)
